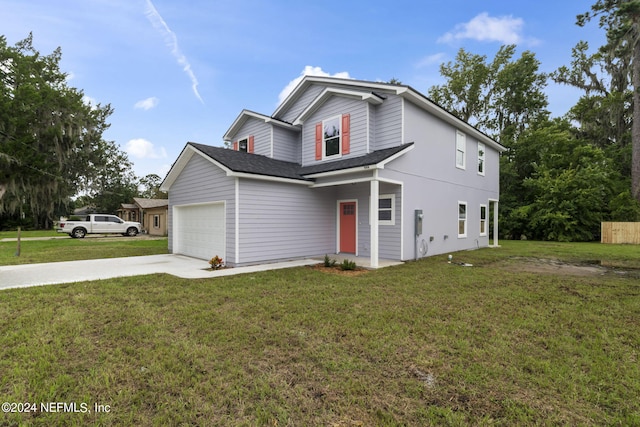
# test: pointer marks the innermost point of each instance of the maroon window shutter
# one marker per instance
(346, 133)
(250, 147)
(319, 141)
(235, 145)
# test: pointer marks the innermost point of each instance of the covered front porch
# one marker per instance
(368, 233)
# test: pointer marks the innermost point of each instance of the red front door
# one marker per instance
(348, 227)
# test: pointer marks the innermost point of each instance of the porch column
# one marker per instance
(495, 223)
(373, 215)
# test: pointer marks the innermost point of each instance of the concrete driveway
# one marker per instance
(18, 276)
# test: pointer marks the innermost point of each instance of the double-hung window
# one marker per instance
(461, 145)
(243, 145)
(481, 158)
(462, 219)
(331, 137)
(386, 211)
(483, 220)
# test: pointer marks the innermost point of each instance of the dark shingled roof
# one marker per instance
(353, 162)
(239, 161)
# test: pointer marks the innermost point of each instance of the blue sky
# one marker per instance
(179, 71)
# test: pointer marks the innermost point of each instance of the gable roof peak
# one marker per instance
(336, 81)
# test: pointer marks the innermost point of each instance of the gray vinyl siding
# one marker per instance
(284, 221)
(286, 145)
(261, 132)
(433, 184)
(389, 236)
(301, 103)
(202, 182)
(388, 124)
(336, 106)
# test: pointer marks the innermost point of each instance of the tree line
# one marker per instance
(52, 147)
(560, 176)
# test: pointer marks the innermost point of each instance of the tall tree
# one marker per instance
(113, 181)
(150, 187)
(621, 21)
(44, 127)
(501, 98)
(465, 91)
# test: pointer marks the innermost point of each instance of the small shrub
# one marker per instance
(216, 262)
(348, 265)
(328, 262)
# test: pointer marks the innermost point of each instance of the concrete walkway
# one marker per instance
(18, 276)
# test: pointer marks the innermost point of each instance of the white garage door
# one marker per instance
(199, 230)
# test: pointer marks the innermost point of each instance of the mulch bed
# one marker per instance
(337, 270)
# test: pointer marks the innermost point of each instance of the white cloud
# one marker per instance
(437, 58)
(172, 42)
(308, 71)
(147, 104)
(503, 29)
(143, 149)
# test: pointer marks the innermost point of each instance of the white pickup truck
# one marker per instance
(98, 224)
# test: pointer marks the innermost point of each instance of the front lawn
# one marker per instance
(30, 233)
(533, 333)
(68, 249)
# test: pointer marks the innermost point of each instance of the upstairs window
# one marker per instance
(333, 137)
(480, 158)
(245, 145)
(461, 145)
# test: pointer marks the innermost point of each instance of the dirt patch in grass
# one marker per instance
(554, 266)
(337, 270)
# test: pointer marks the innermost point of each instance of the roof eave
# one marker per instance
(372, 166)
(245, 115)
(272, 178)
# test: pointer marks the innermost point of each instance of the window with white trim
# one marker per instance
(156, 221)
(481, 158)
(386, 209)
(461, 145)
(462, 219)
(331, 137)
(243, 145)
(483, 220)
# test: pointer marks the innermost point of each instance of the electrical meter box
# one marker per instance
(418, 221)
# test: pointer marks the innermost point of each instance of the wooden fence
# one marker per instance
(620, 232)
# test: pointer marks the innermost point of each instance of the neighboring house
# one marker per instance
(300, 182)
(151, 213)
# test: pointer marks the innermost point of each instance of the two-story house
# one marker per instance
(342, 166)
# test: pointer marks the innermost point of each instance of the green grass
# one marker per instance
(426, 343)
(68, 249)
(32, 233)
